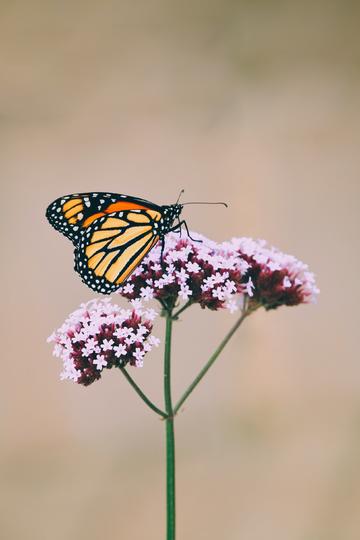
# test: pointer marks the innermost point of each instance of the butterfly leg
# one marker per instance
(162, 253)
(179, 225)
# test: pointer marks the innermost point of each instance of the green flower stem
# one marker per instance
(210, 362)
(185, 306)
(170, 439)
(141, 394)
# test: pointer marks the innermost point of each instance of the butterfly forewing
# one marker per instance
(72, 213)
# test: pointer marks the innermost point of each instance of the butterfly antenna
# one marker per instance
(181, 192)
(201, 202)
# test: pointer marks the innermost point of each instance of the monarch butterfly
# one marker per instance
(111, 233)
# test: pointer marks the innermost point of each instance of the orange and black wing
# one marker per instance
(71, 214)
(113, 245)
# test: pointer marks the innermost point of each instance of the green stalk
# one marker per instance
(210, 362)
(185, 306)
(141, 394)
(170, 439)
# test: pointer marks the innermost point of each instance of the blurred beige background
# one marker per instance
(256, 103)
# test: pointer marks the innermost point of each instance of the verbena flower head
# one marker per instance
(101, 335)
(200, 272)
(273, 278)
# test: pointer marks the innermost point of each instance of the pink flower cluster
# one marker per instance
(200, 272)
(221, 275)
(240, 272)
(274, 278)
(101, 335)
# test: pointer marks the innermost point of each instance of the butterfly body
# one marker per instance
(111, 233)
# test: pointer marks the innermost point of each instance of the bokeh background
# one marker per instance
(255, 103)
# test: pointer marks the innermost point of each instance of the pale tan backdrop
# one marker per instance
(255, 103)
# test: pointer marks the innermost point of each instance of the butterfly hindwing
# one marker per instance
(113, 245)
(71, 214)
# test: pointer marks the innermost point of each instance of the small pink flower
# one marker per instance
(100, 361)
(120, 350)
(101, 335)
(107, 344)
(139, 355)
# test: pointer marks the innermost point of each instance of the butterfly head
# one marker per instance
(169, 214)
(175, 210)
